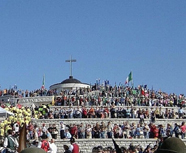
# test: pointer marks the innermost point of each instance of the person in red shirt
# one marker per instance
(73, 131)
(84, 112)
(155, 131)
(45, 144)
(91, 112)
(183, 130)
(74, 148)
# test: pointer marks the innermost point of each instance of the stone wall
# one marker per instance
(87, 145)
(137, 107)
(93, 121)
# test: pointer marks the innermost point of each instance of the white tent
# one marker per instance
(5, 113)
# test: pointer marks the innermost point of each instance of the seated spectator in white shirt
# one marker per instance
(49, 136)
(67, 134)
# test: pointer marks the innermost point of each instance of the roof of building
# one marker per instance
(70, 80)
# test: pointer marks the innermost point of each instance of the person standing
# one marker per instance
(74, 147)
(109, 129)
(45, 143)
(52, 147)
(177, 130)
(10, 143)
(66, 149)
(103, 130)
(183, 130)
(62, 130)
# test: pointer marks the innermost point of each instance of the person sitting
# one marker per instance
(67, 134)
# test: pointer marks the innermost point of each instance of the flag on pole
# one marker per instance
(129, 78)
(43, 83)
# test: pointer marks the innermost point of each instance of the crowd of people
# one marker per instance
(107, 102)
(126, 130)
(104, 95)
(150, 148)
(142, 113)
(120, 96)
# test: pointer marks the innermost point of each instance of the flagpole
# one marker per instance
(132, 79)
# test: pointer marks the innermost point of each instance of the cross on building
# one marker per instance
(71, 60)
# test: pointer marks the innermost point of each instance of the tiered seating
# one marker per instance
(107, 99)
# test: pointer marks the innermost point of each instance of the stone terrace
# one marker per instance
(93, 121)
(86, 145)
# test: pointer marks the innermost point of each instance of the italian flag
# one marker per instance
(129, 78)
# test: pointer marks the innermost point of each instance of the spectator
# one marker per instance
(177, 130)
(74, 131)
(180, 112)
(84, 112)
(102, 130)
(74, 146)
(169, 130)
(183, 130)
(146, 131)
(52, 147)
(91, 112)
(66, 148)
(10, 142)
(112, 111)
(45, 143)
(109, 128)
(54, 131)
(81, 131)
(62, 130)
(96, 131)
(89, 132)
(44, 129)
(67, 134)
(49, 136)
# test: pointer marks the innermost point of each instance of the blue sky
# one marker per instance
(108, 39)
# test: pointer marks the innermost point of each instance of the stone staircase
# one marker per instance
(86, 145)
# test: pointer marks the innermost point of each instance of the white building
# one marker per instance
(69, 84)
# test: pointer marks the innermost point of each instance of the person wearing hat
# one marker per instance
(45, 143)
(74, 146)
(10, 143)
(172, 145)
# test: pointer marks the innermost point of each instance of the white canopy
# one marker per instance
(5, 112)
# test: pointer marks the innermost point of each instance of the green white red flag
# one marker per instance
(129, 78)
